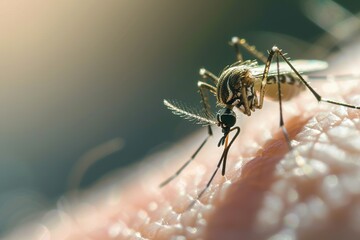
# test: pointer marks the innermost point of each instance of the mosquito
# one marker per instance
(244, 85)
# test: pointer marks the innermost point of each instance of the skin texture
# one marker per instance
(265, 192)
(268, 192)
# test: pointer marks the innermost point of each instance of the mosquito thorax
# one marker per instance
(229, 87)
(226, 118)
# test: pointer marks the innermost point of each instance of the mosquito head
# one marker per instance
(226, 119)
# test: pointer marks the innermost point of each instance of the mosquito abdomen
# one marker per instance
(291, 86)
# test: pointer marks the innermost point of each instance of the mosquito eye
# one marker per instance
(227, 117)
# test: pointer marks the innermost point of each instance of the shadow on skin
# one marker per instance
(245, 196)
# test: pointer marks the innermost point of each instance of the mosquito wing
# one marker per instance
(302, 66)
(192, 114)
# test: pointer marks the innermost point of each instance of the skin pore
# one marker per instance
(268, 192)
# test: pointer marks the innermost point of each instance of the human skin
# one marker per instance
(268, 192)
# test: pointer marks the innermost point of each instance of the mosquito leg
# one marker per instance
(236, 42)
(278, 52)
(204, 100)
(202, 86)
(205, 86)
(177, 173)
(222, 158)
(282, 126)
(209, 182)
(316, 95)
(207, 74)
(262, 91)
(264, 79)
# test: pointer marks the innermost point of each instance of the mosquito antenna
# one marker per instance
(191, 115)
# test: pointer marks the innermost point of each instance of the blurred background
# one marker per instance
(82, 82)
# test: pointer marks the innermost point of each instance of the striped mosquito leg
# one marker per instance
(204, 99)
(282, 126)
(274, 51)
(264, 79)
(236, 42)
(316, 95)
